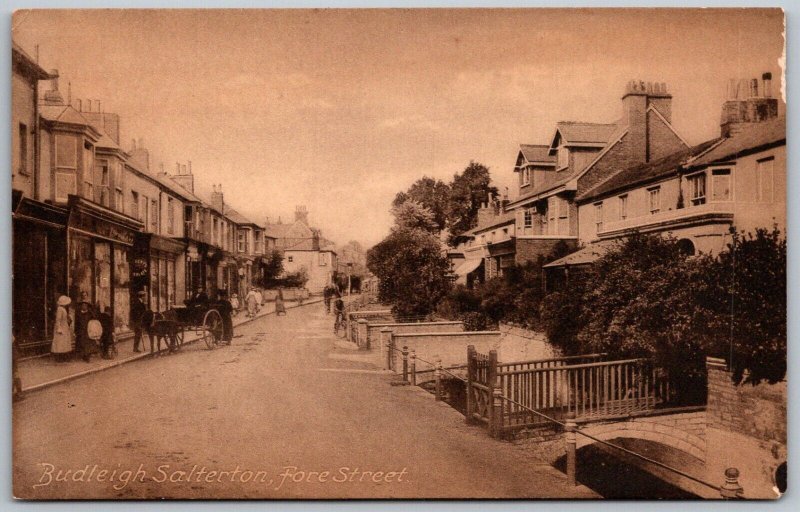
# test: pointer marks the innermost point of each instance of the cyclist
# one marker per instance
(338, 311)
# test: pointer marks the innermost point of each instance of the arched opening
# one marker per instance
(686, 247)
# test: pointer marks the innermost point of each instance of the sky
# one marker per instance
(338, 110)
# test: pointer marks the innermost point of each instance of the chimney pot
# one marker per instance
(80, 105)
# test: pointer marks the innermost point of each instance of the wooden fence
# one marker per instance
(503, 395)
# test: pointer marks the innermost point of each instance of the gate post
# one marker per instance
(495, 397)
(731, 490)
(569, 435)
(470, 373)
(413, 360)
(405, 363)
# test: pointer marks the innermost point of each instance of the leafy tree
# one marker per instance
(411, 215)
(272, 267)
(432, 194)
(749, 281)
(412, 269)
(467, 191)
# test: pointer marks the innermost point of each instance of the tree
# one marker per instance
(272, 268)
(749, 297)
(412, 269)
(467, 191)
(411, 215)
(432, 194)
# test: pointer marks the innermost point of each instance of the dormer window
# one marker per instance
(563, 157)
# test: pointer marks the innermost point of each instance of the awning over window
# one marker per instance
(468, 266)
(584, 256)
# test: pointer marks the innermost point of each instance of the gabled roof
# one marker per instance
(536, 153)
(751, 137)
(574, 132)
(645, 173)
(64, 114)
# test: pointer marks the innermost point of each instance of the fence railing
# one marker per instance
(583, 385)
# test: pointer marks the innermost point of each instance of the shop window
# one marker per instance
(102, 274)
(721, 185)
(697, 188)
(765, 180)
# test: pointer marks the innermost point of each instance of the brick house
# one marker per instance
(696, 194)
(581, 155)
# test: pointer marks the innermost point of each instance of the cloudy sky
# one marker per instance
(339, 110)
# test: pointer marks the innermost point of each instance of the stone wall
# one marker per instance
(520, 344)
(450, 347)
(372, 339)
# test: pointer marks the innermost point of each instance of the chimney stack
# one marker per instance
(53, 96)
(638, 99)
(747, 104)
(182, 178)
(301, 214)
(217, 199)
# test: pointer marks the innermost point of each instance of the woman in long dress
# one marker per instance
(280, 308)
(62, 332)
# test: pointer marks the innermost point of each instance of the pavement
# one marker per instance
(43, 371)
(287, 411)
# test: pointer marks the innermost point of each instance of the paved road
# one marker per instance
(264, 418)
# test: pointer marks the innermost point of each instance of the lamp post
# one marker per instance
(349, 278)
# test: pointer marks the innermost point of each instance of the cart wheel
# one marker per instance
(212, 328)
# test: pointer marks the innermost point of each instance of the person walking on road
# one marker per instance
(62, 330)
(280, 307)
(225, 310)
(250, 302)
(259, 300)
(107, 338)
(138, 314)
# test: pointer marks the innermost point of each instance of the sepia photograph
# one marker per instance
(304, 254)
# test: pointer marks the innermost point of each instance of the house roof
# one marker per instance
(63, 114)
(536, 153)
(38, 72)
(644, 173)
(237, 217)
(584, 256)
(575, 132)
(105, 141)
(499, 220)
(751, 137)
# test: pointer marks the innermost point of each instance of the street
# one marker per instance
(281, 413)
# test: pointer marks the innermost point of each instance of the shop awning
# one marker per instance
(584, 256)
(468, 266)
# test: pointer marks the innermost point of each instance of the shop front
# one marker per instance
(100, 244)
(157, 269)
(39, 273)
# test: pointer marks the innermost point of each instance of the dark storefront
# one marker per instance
(39, 274)
(100, 244)
(154, 269)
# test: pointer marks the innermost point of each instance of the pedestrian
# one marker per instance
(107, 338)
(138, 318)
(250, 301)
(280, 308)
(84, 313)
(225, 309)
(235, 304)
(62, 330)
(327, 293)
(259, 300)
(338, 311)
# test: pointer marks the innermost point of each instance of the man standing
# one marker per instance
(138, 313)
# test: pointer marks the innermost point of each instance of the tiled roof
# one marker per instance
(237, 217)
(63, 114)
(645, 173)
(106, 141)
(578, 132)
(749, 138)
(536, 153)
(585, 256)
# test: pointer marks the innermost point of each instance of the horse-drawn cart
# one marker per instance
(172, 325)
